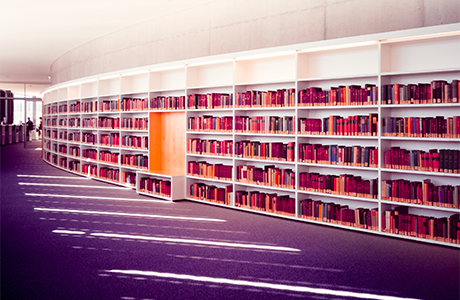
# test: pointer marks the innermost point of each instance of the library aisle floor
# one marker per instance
(67, 237)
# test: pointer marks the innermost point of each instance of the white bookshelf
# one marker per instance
(407, 57)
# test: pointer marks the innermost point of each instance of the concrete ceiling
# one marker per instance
(33, 34)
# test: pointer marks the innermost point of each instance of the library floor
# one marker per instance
(67, 237)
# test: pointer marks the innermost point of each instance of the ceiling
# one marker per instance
(33, 34)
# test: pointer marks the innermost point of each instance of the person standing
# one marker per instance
(29, 128)
(40, 129)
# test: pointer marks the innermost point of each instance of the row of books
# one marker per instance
(63, 108)
(399, 221)
(210, 123)
(135, 142)
(265, 150)
(334, 213)
(63, 162)
(74, 122)
(89, 123)
(434, 160)
(89, 138)
(54, 134)
(358, 156)
(63, 149)
(134, 123)
(63, 135)
(74, 165)
(108, 156)
(438, 91)
(278, 98)
(134, 104)
(62, 122)
(109, 106)
(89, 169)
(74, 108)
(209, 170)
(167, 102)
(433, 127)
(134, 160)
(341, 95)
(108, 123)
(268, 202)
(344, 184)
(111, 140)
(211, 193)
(421, 192)
(155, 186)
(210, 147)
(268, 176)
(89, 107)
(265, 124)
(209, 101)
(337, 125)
(74, 151)
(89, 154)
(109, 174)
(128, 178)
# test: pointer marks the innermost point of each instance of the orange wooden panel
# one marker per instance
(167, 141)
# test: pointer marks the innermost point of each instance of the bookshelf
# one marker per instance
(300, 132)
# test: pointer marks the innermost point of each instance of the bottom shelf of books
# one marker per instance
(167, 185)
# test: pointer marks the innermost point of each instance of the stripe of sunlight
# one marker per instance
(260, 285)
(38, 149)
(189, 241)
(76, 186)
(96, 197)
(49, 176)
(68, 232)
(126, 214)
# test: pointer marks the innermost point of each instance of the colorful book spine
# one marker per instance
(268, 202)
(209, 101)
(207, 170)
(111, 140)
(438, 91)
(155, 186)
(89, 169)
(74, 151)
(74, 122)
(134, 104)
(265, 124)
(89, 123)
(134, 123)
(109, 157)
(74, 166)
(342, 95)
(74, 137)
(109, 106)
(358, 156)
(399, 221)
(63, 149)
(265, 150)
(88, 138)
(167, 103)
(334, 213)
(135, 142)
(135, 161)
(421, 192)
(210, 147)
(430, 127)
(211, 193)
(128, 178)
(89, 154)
(109, 174)
(74, 108)
(62, 122)
(268, 176)
(344, 184)
(278, 98)
(109, 123)
(434, 160)
(210, 123)
(89, 107)
(63, 135)
(366, 125)
(63, 162)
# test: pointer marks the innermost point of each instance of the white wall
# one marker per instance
(225, 26)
